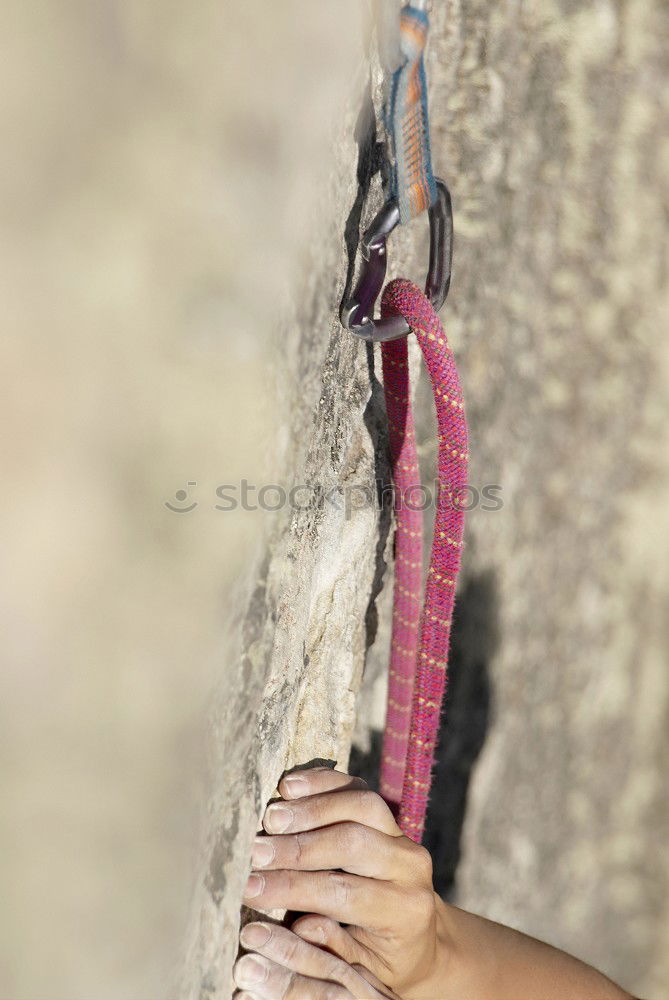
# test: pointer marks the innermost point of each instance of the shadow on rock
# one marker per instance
(464, 727)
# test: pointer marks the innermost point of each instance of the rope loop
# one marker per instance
(420, 639)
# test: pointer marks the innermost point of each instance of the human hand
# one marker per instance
(334, 849)
(282, 966)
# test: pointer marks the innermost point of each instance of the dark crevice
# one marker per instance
(376, 423)
(474, 640)
(371, 160)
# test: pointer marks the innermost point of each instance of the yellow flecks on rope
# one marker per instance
(441, 664)
(457, 404)
(444, 439)
(396, 733)
(403, 649)
(442, 579)
(449, 540)
(409, 623)
(393, 363)
(387, 759)
(399, 708)
(398, 399)
(408, 562)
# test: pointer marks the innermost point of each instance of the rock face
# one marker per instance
(547, 129)
(311, 617)
(547, 124)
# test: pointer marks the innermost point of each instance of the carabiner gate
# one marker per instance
(357, 314)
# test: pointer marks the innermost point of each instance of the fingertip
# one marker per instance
(314, 929)
(250, 970)
(255, 886)
(315, 780)
(278, 818)
(255, 935)
(295, 785)
(315, 934)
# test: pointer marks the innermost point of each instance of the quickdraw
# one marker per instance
(420, 633)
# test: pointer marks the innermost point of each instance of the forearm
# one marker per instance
(334, 853)
(482, 959)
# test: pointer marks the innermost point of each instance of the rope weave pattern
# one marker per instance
(428, 666)
(408, 567)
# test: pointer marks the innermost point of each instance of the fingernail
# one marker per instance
(263, 852)
(254, 886)
(296, 785)
(278, 818)
(313, 932)
(250, 970)
(255, 935)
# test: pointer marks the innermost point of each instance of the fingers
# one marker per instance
(315, 780)
(331, 935)
(286, 968)
(358, 805)
(263, 979)
(350, 899)
(374, 981)
(338, 853)
(340, 941)
(352, 847)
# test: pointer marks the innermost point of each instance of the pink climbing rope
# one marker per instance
(408, 567)
(418, 669)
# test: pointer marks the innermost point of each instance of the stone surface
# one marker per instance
(546, 125)
(550, 125)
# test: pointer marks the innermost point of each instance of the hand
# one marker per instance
(334, 849)
(283, 967)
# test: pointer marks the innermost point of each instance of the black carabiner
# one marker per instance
(357, 314)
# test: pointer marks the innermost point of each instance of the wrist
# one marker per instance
(480, 958)
(432, 982)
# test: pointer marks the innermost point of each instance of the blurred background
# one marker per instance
(175, 183)
(160, 166)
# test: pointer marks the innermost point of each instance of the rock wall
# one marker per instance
(549, 123)
(552, 121)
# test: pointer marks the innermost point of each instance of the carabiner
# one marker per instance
(357, 314)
